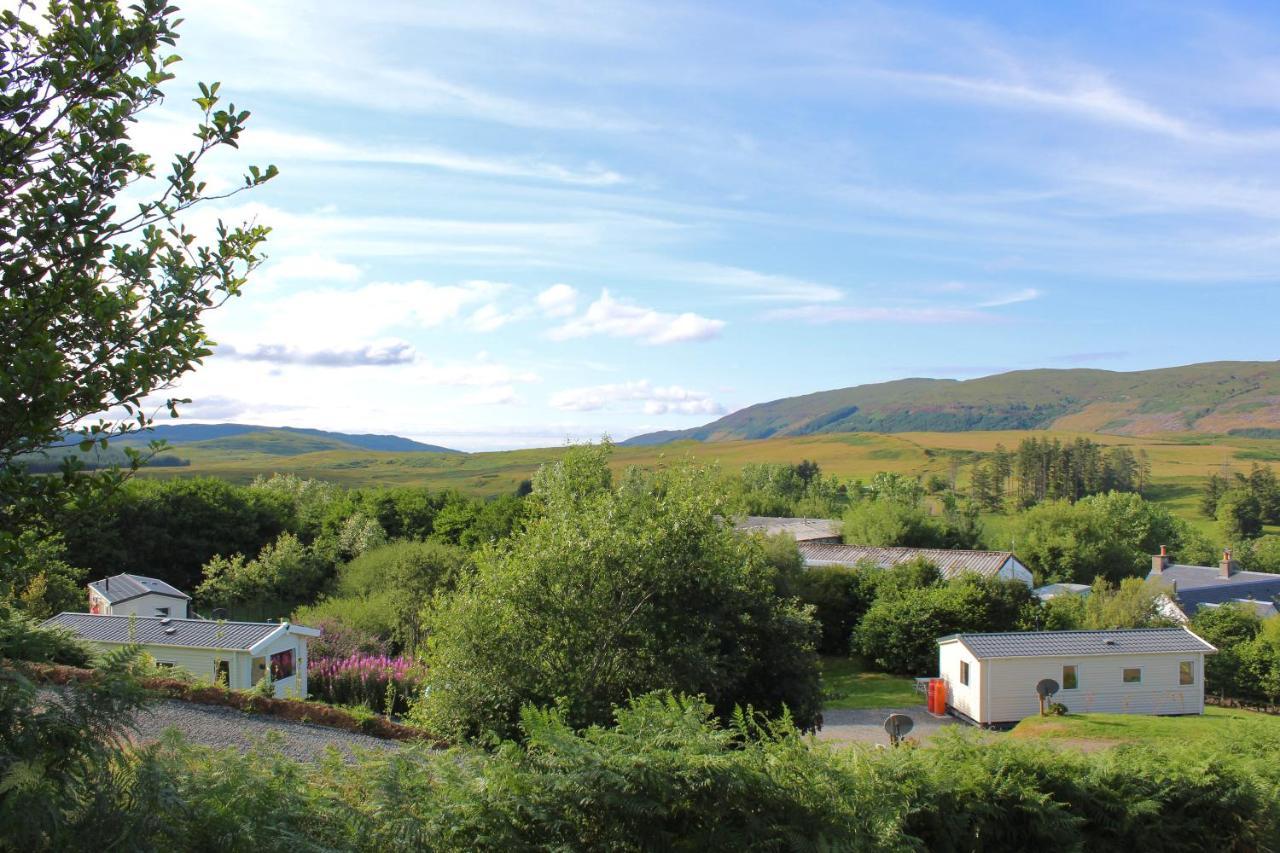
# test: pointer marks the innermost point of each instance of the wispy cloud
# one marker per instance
(558, 300)
(620, 319)
(370, 355)
(640, 395)
(823, 314)
(1025, 295)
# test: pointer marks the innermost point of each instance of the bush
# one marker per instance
(839, 595)
(22, 638)
(900, 631)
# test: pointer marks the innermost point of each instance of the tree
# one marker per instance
(612, 590)
(1264, 555)
(839, 595)
(1134, 603)
(1110, 535)
(1239, 515)
(282, 574)
(100, 307)
(1231, 628)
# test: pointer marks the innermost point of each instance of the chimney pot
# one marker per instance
(1160, 562)
(1228, 565)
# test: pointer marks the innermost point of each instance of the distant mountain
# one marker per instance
(283, 441)
(1215, 397)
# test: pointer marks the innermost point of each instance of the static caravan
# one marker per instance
(991, 678)
(239, 653)
(135, 595)
(1003, 565)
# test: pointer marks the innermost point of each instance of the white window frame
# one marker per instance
(162, 612)
(166, 664)
(1125, 669)
(1192, 665)
(1076, 668)
(964, 673)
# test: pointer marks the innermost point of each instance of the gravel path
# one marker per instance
(212, 725)
(868, 726)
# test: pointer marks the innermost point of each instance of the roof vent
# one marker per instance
(171, 630)
(165, 621)
(1108, 642)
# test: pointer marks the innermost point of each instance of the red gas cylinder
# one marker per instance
(937, 696)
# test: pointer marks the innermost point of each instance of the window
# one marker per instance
(964, 672)
(1187, 672)
(282, 665)
(162, 611)
(1133, 675)
(222, 673)
(1070, 677)
(164, 664)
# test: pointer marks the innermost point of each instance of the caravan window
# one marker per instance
(1070, 677)
(282, 665)
(964, 672)
(1133, 675)
(1187, 672)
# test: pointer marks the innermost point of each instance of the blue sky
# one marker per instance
(503, 225)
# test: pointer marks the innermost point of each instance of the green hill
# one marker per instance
(1215, 397)
(280, 441)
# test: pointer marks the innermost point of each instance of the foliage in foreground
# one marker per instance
(669, 775)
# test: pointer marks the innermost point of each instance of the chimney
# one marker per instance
(106, 584)
(1160, 561)
(1228, 565)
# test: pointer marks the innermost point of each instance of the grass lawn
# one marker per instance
(1217, 724)
(848, 685)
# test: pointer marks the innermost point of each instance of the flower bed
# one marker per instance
(379, 682)
(316, 713)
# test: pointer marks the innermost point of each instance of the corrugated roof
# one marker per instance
(800, 529)
(119, 588)
(950, 563)
(1021, 644)
(147, 630)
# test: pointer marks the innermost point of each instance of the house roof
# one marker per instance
(1196, 586)
(801, 529)
(1055, 589)
(1263, 609)
(950, 563)
(155, 631)
(1022, 644)
(118, 588)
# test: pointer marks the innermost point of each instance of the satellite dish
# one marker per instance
(898, 726)
(1045, 688)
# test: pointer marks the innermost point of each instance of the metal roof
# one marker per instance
(1263, 609)
(1197, 586)
(1186, 577)
(801, 529)
(154, 631)
(950, 563)
(118, 588)
(1129, 641)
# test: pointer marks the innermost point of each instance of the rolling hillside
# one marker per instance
(1215, 397)
(280, 441)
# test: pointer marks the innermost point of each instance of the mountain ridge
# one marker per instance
(225, 435)
(1214, 397)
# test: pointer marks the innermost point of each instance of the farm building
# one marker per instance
(240, 653)
(989, 564)
(1193, 587)
(813, 530)
(991, 678)
(135, 595)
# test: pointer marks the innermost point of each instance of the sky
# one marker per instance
(515, 224)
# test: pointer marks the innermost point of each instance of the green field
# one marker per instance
(1179, 462)
(1217, 724)
(848, 685)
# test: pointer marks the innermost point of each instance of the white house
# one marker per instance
(135, 595)
(239, 653)
(991, 678)
(952, 563)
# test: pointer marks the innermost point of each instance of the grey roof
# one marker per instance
(118, 588)
(950, 563)
(801, 529)
(147, 630)
(1196, 586)
(1022, 644)
(1264, 609)
(1053, 590)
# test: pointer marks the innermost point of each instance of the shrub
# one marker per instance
(22, 638)
(378, 682)
(839, 595)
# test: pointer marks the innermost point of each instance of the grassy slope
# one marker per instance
(1179, 463)
(849, 685)
(1217, 724)
(1216, 397)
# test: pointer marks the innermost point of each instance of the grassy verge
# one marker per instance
(848, 685)
(1217, 724)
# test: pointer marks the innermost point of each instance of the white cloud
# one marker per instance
(750, 284)
(488, 318)
(382, 354)
(310, 268)
(609, 316)
(639, 395)
(558, 300)
(1024, 295)
(499, 395)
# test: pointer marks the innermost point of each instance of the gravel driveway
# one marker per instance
(212, 725)
(868, 726)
